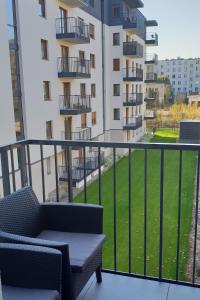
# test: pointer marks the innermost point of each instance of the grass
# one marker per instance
(167, 133)
(153, 209)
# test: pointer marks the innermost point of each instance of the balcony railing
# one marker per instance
(80, 134)
(132, 74)
(151, 77)
(133, 99)
(72, 30)
(151, 59)
(73, 67)
(133, 123)
(133, 49)
(151, 96)
(74, 104)
(149, 114)
(150, 200)
(76, 3)
(152, 39)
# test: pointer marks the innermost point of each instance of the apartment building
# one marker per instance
(72, 69)
(184, 74)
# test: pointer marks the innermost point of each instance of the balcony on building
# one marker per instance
(72, 30)
(82, 167)
(132, 74)
(151, 23)
(76, 3)
(132, 123)
(151, 39)
(74, 104)
(151, 77)
(131, 24)
(149, 114)
(151, 96)
(79, 134)
(133, 99)
(133, 49)
(73, 67)
(151, 59)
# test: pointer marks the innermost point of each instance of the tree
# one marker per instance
(182, 111)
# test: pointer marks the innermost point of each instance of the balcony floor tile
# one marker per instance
(126, 288)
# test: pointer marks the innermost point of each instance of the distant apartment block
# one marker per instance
(184, 74)
(73, 70)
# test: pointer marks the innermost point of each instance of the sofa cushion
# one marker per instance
(20, 213)
(82, 246)
(13, 293)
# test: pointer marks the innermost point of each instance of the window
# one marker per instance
(47, 93)
(116, 89)
(91, 3)
(92, 31)
(93, 90)
(116, 114)
(94, 118)
(115, 11)
(49, 130)
(42, 8)
(92, 61)
(116, 64)
(44, 49)
(48, 161)
(116, 39)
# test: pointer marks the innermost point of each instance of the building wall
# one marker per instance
(184, 74)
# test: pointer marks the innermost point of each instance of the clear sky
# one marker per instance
(179, 27)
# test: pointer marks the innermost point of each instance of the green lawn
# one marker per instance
(137, 199)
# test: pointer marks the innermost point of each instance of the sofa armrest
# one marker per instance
(30, 266)
(81, 218)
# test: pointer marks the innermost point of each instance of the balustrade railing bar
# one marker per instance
(12, 169)
(130, 211)
(69, 168)
(56, 173)
(179, 214)
(85, 175)
(161, 212)
(29, 166)
(196, 217)
(115, 209)
(145, 211)
(99, 177)
(42, 172)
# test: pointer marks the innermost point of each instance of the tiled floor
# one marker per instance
(116, 287)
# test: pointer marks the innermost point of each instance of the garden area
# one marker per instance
(171, 188)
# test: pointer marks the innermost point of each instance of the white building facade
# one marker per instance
(184, 74)
(71, 70)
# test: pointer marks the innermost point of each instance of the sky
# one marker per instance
(179, 27)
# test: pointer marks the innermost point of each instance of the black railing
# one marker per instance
(75, 102)
(133, 99)
(150, 198)
(74, 65)
(151, 76)
(133, 74)
(80, 134)
(72, 26)
(151, 58)
(133, 49)
(152, 38)
(133, 122)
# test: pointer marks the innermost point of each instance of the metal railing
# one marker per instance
(75, 102)
(152, 37)
(133, 48)
(134, 122)
(133, 98)
(136, 196)
(149, 113)
(80, 134)
(73, 65)
(151, 58)
(151, 76)
(133, 74)
(72, 25)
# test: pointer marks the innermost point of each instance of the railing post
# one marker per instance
(5, 172)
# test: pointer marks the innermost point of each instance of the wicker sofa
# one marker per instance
(73, 229)
(30, 272)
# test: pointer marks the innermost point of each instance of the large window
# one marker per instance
(44, 49)
(116, 39)
(116, 89)
(47, 91)
(92, 31)
(116, 114)
(115, 11)
(42, 8)
(49, 130)
(116, 64)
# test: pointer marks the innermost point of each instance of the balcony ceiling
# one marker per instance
(135, 3)
(75, 3)
(151, 23)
